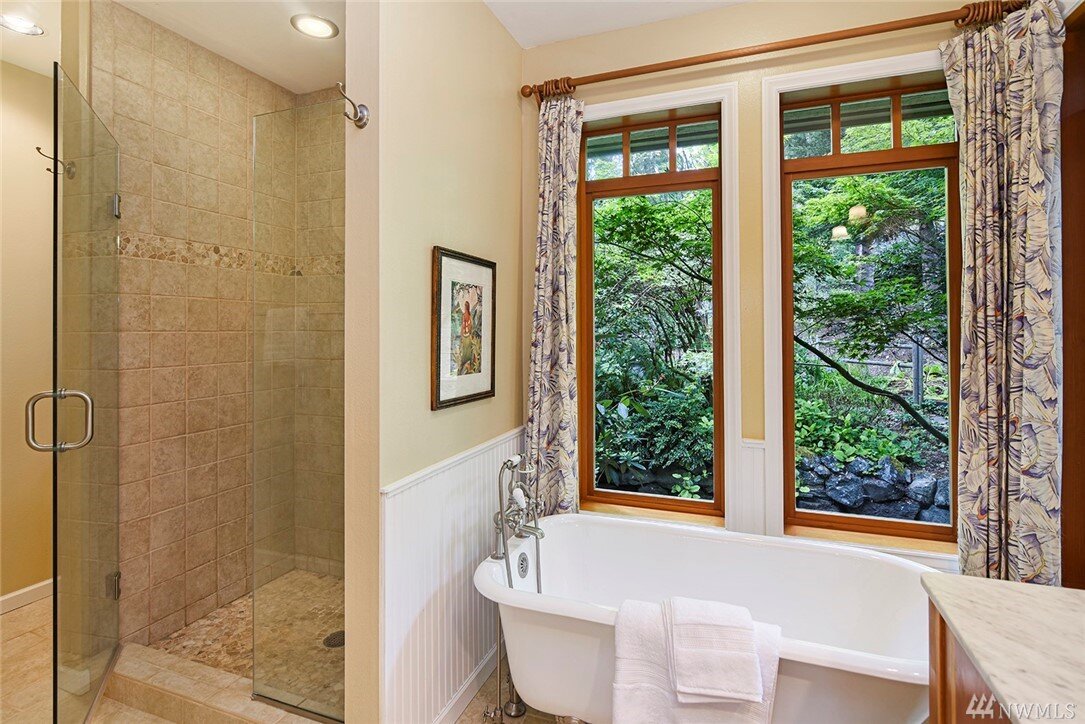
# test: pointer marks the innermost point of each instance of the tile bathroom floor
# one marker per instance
(294, 613)
(26, 663)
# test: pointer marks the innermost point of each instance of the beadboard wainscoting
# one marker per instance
(438, 632)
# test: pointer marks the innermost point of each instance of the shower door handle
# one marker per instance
(88, 425)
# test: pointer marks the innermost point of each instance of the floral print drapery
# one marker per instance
(552, 418)
(1005, 85)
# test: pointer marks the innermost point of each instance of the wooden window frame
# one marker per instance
(837, 164)
(646, 184)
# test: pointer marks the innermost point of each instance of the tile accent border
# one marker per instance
(197, 253)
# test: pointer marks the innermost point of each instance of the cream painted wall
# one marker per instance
(25, 321)
(740, 25)
(449, 176)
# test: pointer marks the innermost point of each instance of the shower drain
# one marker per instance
(335, 640)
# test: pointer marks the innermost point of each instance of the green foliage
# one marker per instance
(864, 297)
(819, 431)
(928, 131)
(685, 487)
(653, 356)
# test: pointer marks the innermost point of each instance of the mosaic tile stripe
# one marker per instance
(161, 248)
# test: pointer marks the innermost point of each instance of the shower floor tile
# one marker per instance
(294, 613)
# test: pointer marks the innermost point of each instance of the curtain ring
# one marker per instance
(553, 87)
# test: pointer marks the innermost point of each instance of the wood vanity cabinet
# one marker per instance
(956, 684)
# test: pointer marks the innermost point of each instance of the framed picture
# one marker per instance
(464, 302)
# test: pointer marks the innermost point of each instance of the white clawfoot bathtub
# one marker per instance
(854, 622)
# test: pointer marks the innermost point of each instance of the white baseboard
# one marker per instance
(24, 596)
(470, 688)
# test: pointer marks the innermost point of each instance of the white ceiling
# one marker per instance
(538, 22)
(33, 52)
(258, 36)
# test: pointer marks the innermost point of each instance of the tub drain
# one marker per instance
(335, 640)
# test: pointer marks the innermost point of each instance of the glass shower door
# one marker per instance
(84, 398)
(298, 225)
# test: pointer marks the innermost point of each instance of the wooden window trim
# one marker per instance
(628, 185)
(837, 164)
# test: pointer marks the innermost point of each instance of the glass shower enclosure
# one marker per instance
(298, 219)
(83, 439)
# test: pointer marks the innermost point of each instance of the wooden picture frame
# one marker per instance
(463, 329)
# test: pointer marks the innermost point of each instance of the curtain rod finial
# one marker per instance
(525, 91)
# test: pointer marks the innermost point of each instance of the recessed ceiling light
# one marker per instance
(20, 25)
(314, 26)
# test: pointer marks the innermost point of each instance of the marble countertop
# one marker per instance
(1027, 641)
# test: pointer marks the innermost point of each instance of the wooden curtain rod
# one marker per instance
(971, 14)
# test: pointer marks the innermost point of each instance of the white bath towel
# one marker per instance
(643, 693)
(711, 651)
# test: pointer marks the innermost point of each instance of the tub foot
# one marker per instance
(515, 706)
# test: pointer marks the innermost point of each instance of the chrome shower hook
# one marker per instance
(360, 114)
(69, 167)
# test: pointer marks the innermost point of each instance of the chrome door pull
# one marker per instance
(60, 394)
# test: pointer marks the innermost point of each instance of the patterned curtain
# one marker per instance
(551, 423)
(1005, 84)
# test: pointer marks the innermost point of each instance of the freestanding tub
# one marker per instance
(854, 622)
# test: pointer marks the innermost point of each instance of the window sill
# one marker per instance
(631, 511)
(873, 540)
(929, 550)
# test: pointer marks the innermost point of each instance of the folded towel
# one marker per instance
(643, 693)
(711, 651)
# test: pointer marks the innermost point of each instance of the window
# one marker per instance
(649, 327)
(872, 266)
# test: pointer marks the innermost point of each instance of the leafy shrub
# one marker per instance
(685, 487)
(818, 431)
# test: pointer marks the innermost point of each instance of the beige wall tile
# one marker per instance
(167, 420)
(171, 47)
(168, 279)
(202, 448)
(135, 176)
(167, 562)
(201, 581)
(170, 150)
(201, 515)
(167, 455)
(169, 623)
(134, 612)
(202, 481)
(201, 549)
(168, 182)
(169, 219)
(135, 576)
(167, 315)
(133, 64)
(169, 80)
(132, 27)
(167, 527)
(134, 462)
(134, 538)
(134, 501)
(168, 348)
(167, 491)
(202, 192)
(132, 100)
(202, 381)
(170, 115)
